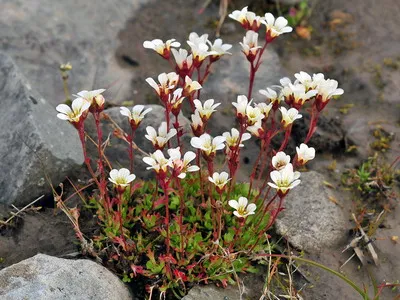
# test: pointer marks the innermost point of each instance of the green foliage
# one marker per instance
(195, 255)
(297, 15)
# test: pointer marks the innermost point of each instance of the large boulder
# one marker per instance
(310, 221)
(47, 278)
(34, 143)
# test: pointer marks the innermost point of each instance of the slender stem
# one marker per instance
(313, 123)
(270, 223)
(264, 162)
(64, 76)
(198, 160)
(96, 116)
(198, 79)
(234, 160)
(131, 157)
(254, 171)
(237, 235)
(254, 68)
(164, 185)
(81, 131)
(176, 126)
(286, 140)
(220, 217)
(181, 212)
(120, 208)
(251, 81)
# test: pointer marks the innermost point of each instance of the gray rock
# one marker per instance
(46, 277)
(80, 32)
(211, 292)
(310, 220)
(117, 152)
(33, 141)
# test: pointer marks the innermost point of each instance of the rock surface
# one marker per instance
(46, 277)
(80, 32)
(310, 220)
(211, 292)
(31, 140)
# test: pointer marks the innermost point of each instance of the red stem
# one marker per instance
(313, 123)
(121, 227)
(251, 81)
(181, 212)
(286, 140)
(164, 184)
(198, 161)
(131, 157)
(81, 131)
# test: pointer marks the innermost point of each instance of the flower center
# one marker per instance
(242, 210)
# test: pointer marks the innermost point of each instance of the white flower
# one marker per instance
(264, 108)
(160, 47)
(298, 95)
(271, 95)
(182, 166)
(285, 81)
(289, 116)
(275, 27)
(253, 115)
(175, 100)
(305, 153)
(205, 110)
(250, 44)
(241, 105)
(219, 180)
(191, 86)
(219, 48)
(158, 162)
(317, 79)
(285, 179)
(256, 129)
(280, 160)
(199, 47)
(242, 209)
(94, 96)
(239, 15)
(247, 19)
(160, 140)
(182, 59)
(196, 39)
(197, 123)
(167, 82)
(306, 80)
(327, 89)
(232, 140)
(79, 110)
(121, 178)
(207, 144)
(135, 115)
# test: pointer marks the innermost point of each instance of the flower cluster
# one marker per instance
(178, 166)
(305, 88)
(186, 214)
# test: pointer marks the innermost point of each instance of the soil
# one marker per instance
(356, 42)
